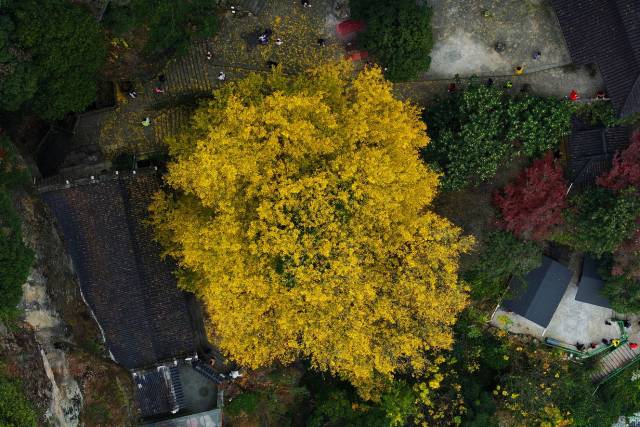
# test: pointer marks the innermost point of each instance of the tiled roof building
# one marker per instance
(606, 33)
(590, 151)
(130, 289)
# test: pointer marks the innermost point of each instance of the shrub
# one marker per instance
(63, 50)
(623, 293)
(15, 257)
(537, 124)
(398, 33)
(171, 24)
(532, 205)
(468, 136)
(504, 255)
(476, 129)
(15, 409)
(599, 220)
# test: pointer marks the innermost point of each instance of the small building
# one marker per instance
(591, 284)
(536, 296)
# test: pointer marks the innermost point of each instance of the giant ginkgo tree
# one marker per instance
(299, 213)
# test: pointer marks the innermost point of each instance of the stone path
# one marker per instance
(466, 32)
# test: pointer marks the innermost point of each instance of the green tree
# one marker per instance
(468, 135)
(503, 255)
(171, 24)
(537, 124)
(398, 33)
(623, 293)
(15, 409)
(15, 257)
(18, 78)
(51, 52)
(599, 220)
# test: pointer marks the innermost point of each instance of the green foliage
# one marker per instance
(18, 78)
(15, 257)
(621, 395)
(58, 50)
(537, 124)
(171, 24)
(337, 404)
(244, 403)
(475, 130)
(623, 294)
(15, 409)
(599, 220)
(596, 113)
(602, 113)
(504, 255)
(398, 33)
(468, 136)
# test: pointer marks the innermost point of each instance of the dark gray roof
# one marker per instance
(590, 151)
(211, 418)
(590, 284)
(130, 289)
(606, 33)
(153, 393)
(537, 295)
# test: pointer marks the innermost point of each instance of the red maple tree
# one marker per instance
(625, 171)
(532, 205)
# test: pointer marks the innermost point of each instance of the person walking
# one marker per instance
(146, 122)
(221, 76)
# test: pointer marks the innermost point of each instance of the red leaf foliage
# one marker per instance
(625, 171)
(532, 205)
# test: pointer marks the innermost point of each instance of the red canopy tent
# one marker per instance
(349, 28)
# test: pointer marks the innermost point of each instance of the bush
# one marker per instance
(599, 220)
(171, 24)
(63, 50)
(398, 33)
(504, 255)
(15, 257)
(245, 403)
(532, 205)
(468, 136)
(15, 409)
(478, 128)
(537, 124)
(623, 294)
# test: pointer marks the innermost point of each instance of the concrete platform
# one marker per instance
(466, 32)
(573, 322)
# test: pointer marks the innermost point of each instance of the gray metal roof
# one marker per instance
(590, 285)
(536, 296)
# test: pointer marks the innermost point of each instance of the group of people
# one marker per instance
(265, 36)
(615, 342)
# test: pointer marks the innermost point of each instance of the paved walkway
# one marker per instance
(466, 32)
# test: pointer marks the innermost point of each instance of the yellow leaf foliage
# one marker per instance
(301, 218)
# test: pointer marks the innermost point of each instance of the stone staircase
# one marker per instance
(170, 122)
(193, 74)
(206, 371)
(616, 359)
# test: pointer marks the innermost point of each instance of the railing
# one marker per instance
(624, 337)
(617, 372)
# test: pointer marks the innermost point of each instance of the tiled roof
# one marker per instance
(606, 33)
(153, 393)
(131, 291)
(590, 150)
(536, 296)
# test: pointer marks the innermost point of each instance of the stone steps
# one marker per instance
(614, 360)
